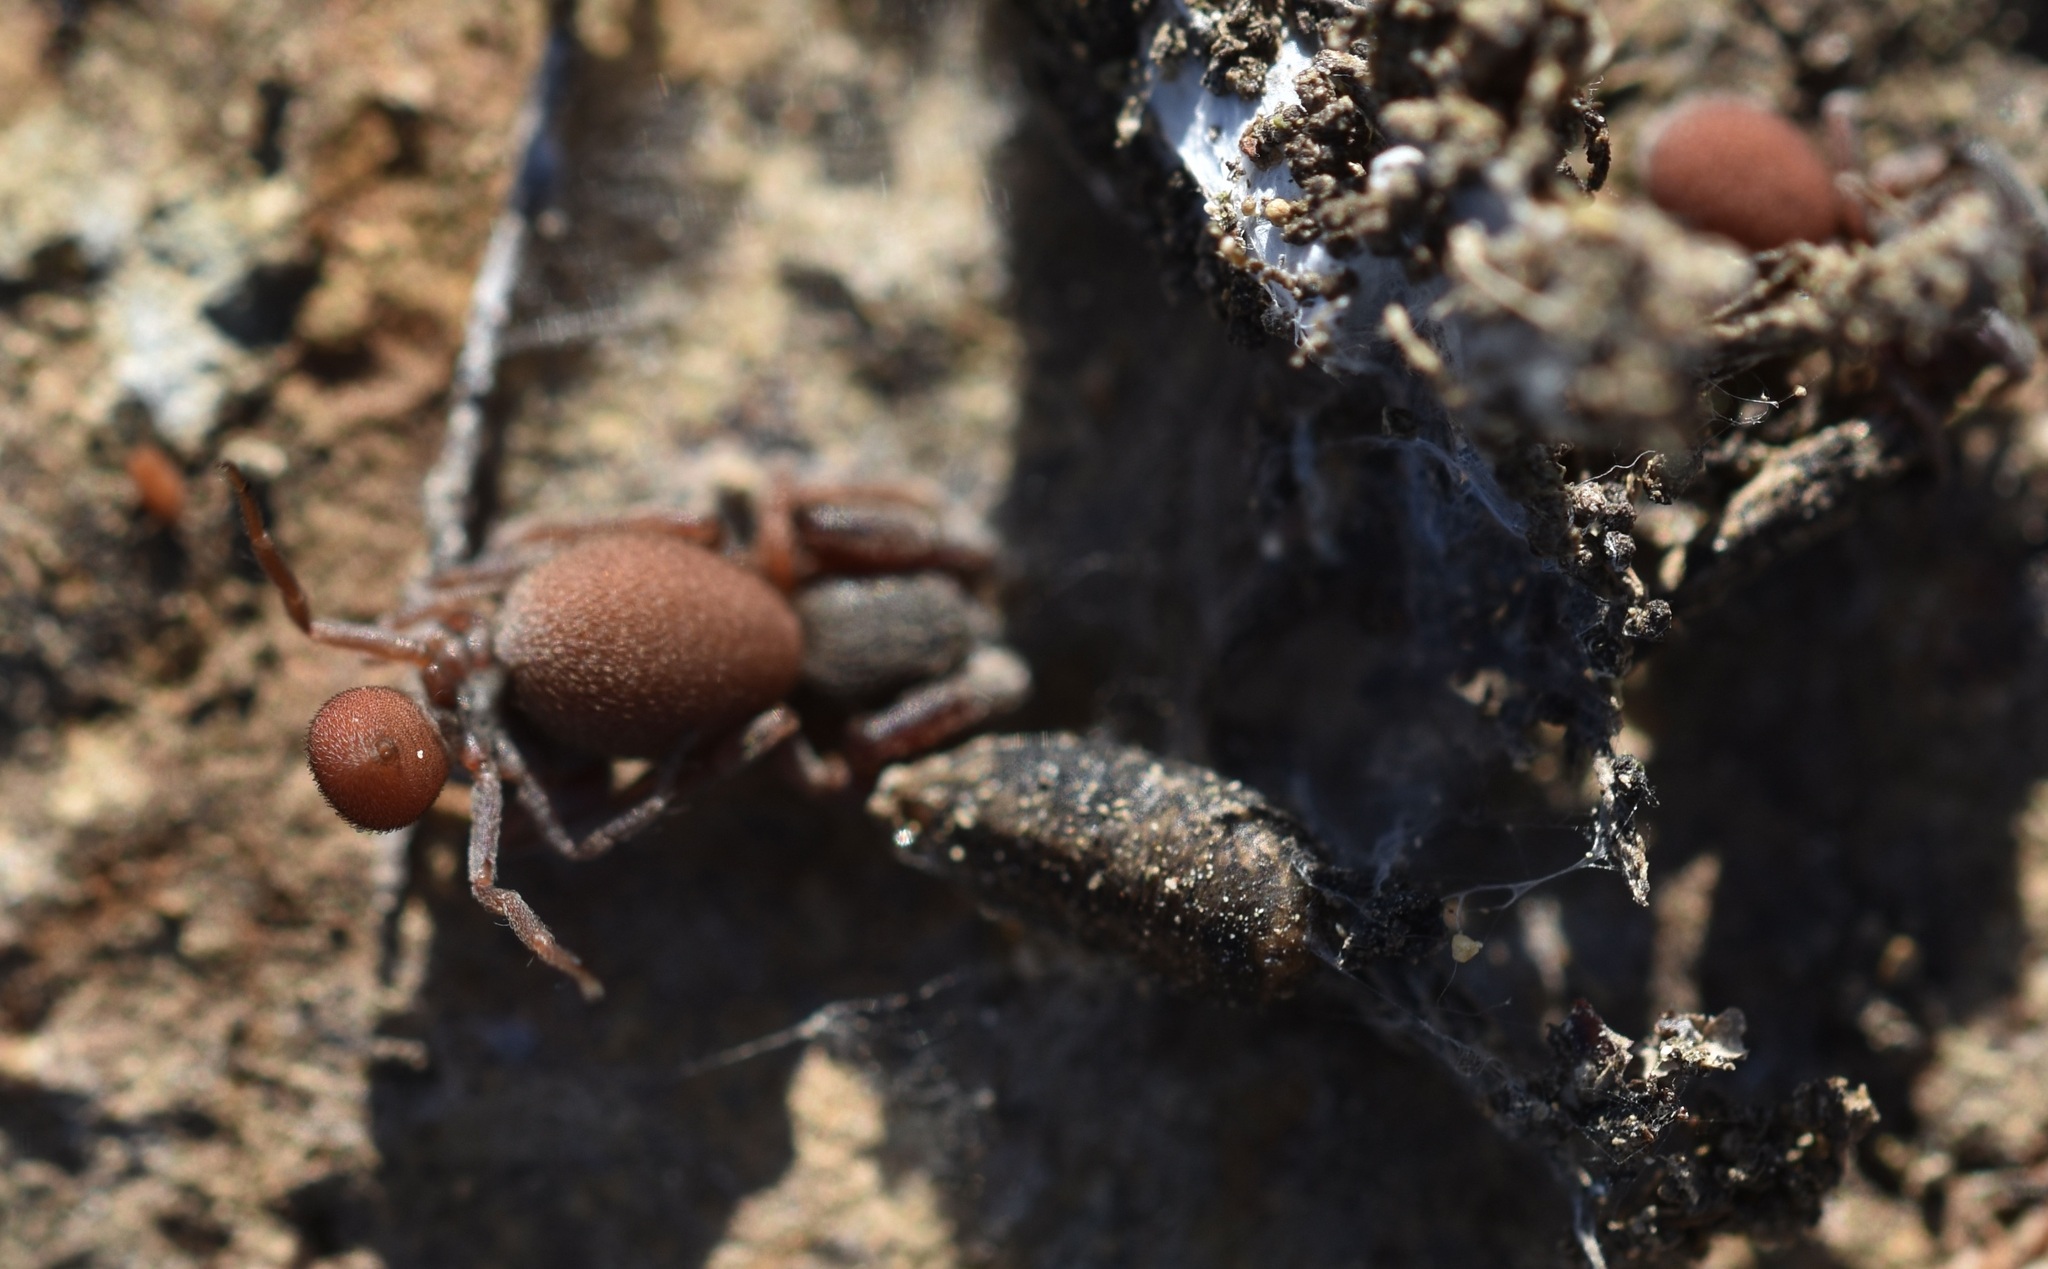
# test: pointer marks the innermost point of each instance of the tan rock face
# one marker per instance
(851, 240)
(838, 1200)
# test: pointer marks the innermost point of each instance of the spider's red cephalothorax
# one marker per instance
(652, 636)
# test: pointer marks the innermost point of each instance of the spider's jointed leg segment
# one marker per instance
(487, 811)
(375, 641)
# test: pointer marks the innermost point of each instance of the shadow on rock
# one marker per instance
(544, 1132)
(1852, 739)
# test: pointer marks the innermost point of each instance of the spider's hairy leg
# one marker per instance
(487, 813)
(373, 640)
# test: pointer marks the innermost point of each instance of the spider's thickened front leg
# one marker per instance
(856, 530)
(993, 681)
(487, 814)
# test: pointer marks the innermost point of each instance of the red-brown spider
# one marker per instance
(655, 636)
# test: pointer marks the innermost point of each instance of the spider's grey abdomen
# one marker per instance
(866, 638)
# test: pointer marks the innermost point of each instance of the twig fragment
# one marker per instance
(450, 492)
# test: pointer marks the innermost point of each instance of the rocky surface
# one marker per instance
(871, 240)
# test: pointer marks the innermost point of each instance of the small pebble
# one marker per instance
(1731, 167)
(159, 485)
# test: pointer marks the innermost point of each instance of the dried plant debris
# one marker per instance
(1338, 172)
(1584, 324)
(1787, 494)
(1308, 158)
(1603, 325)
(1658, 1161)
(1665, 1165)
(1921, 295)
(1198, 878)
(1758, 409)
